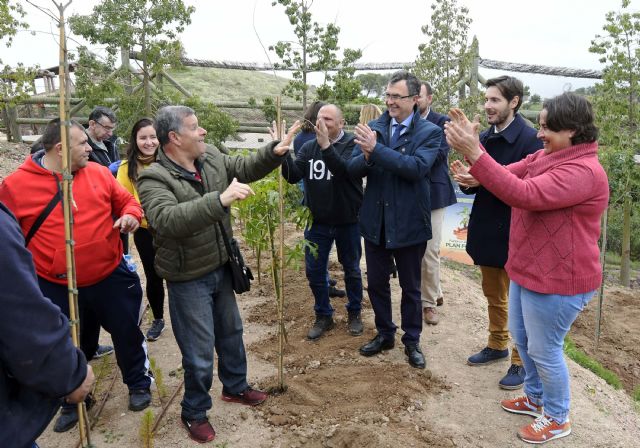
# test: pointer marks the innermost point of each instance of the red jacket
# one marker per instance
(97, 198)
(557, 201)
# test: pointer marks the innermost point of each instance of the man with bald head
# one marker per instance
(334, 199)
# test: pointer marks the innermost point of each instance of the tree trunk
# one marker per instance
(625, 257)
(145, 80)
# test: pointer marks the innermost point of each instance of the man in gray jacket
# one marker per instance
(186, 195)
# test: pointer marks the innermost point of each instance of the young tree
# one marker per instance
(444, 59)
(149, 25)
(616, 103)
(15, 82)
(315, 50)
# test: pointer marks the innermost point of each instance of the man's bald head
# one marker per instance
(333, 119)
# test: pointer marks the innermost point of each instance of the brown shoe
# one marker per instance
(440, 301)
(248, 397)
(430, 316)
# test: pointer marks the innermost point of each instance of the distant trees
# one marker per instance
(618, 116)
(315, 50)
(373, 83)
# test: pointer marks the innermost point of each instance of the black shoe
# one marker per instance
(416, 358)
(157, 327)
(335, 292)
(69, 415)
(355, 323)
(322, 324)
(67, 419)
(139, 399)
(376, 345)
(333, 282)
(103, 350)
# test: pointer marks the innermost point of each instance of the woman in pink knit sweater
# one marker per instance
(557, 197)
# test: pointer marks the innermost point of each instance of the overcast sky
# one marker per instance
(548, 32)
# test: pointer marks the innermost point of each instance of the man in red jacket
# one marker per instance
(107, 290)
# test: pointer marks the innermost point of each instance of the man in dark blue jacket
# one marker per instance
(396, 153)
(508, 140)
(442, 196)
(38, 363)
(334, 199)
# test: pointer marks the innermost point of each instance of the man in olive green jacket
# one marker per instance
(185, 195)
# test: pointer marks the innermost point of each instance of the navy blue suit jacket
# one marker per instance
(442, 192)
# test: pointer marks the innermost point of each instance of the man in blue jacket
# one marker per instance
(334, 199)
(442, 196)
(396, 153)
(39, 365)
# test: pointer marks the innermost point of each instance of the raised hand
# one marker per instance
(322, 134)
(236, 191)
(284, 144)
(462, 134)
(366, 138)
(461, 175)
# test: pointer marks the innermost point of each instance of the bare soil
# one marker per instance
(337, 398)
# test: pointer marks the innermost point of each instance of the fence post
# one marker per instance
(13, 128)
(473, 75)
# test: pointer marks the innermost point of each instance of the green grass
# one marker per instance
(636, 394)
(214, 84)
(613, 260)
(589, 363)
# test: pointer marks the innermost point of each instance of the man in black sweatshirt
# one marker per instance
(334, 199)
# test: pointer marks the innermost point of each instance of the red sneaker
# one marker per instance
(521, 405)
(544, 429)
(199, 430)
(249, 397)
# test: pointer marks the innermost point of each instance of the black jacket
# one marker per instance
(489, 224)
(331, 194)
(38, 363)
(99, 155)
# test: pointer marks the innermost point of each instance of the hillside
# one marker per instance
(215, 84)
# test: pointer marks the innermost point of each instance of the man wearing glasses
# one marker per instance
(102, 124)
(396, 153)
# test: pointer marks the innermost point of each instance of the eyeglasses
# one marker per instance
(394, 97)
(107, 128)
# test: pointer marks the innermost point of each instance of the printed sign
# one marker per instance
(455, 228)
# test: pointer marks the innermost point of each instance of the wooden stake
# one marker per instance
(67, 181)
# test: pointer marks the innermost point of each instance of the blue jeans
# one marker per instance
(538, 325)
(204, 315)
(347, 239)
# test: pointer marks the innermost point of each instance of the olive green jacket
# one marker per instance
(183, 214)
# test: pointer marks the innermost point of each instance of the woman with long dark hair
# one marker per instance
(143, 146)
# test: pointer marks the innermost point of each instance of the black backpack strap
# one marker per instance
(45, 213)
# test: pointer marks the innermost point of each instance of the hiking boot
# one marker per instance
(157, 327)
(544, 429)
(139, 399)
(335, 292)
(487, 356)
(69, 415)
(430, 316)
(522, 405)
(199, 430)
(249, 397)
(103, 350)
(514, 379)
(322, 324)
(354, 323)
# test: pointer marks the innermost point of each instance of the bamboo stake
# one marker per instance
(603, 259)
(281, 334)
(67, 180)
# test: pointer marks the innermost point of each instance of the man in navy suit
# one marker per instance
(396, 153)
(442, 196)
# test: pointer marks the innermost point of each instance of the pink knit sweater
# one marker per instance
(557, 201)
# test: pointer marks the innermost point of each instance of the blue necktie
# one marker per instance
(396, 133)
